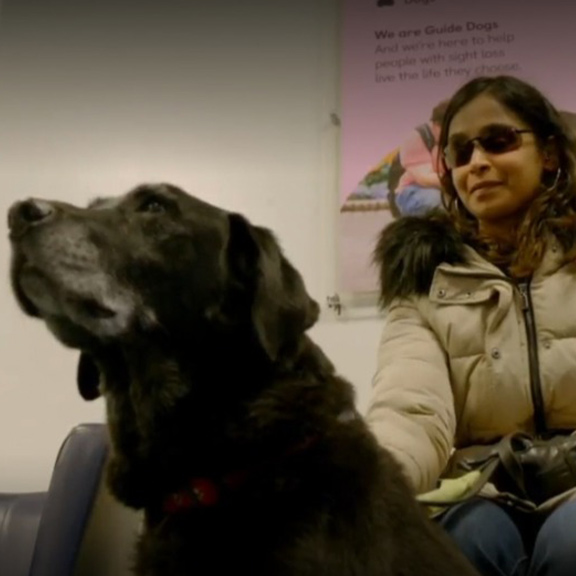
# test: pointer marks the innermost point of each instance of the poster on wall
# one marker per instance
(400, 62)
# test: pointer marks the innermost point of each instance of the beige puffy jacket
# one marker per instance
(464, 349)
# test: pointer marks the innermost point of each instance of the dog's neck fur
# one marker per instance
(234, 437)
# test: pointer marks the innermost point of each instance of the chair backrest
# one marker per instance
(69, 500)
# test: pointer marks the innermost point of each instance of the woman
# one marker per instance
(480, 332)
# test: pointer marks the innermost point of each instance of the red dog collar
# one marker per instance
(201, 492)
(204, 492)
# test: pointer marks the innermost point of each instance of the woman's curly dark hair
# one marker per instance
(553, 210)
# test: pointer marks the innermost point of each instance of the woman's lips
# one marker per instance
(484, 185)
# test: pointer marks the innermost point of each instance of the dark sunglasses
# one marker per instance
(495, 139)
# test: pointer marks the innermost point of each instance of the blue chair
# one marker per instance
(41, 533)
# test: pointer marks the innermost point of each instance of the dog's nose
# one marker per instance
(28, 213)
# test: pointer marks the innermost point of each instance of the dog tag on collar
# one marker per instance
(201, 493)
(205, 491)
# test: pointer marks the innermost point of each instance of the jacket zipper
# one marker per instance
(523, 288)
(533, 361)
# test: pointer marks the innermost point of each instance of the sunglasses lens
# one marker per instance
(459, 154)
(493, 140)
(500, 139)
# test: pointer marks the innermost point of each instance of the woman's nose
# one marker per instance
(479, 157)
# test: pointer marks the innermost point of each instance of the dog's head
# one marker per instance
(155, 262)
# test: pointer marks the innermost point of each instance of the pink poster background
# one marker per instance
(422, 51)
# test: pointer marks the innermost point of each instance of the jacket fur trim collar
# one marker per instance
(409, 250)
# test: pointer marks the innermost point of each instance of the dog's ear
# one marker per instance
(281, 309)
(88, 377)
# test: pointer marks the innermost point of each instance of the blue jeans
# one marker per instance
(498, 544)
(414, 200)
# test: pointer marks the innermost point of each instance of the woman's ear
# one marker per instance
(550, 155)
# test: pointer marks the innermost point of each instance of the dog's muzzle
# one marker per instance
(61, 272)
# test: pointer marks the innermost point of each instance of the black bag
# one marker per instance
(532, 470)
(539, 469)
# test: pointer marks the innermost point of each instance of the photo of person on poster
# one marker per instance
(413, 181)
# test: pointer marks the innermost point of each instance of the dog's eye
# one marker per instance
(153, 205)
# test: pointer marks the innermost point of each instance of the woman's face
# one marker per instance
(495, 187)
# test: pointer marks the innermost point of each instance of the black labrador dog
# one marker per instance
(229, 426)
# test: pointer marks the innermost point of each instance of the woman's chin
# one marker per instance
(491, 207)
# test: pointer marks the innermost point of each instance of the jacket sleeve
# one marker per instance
(412, 406)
